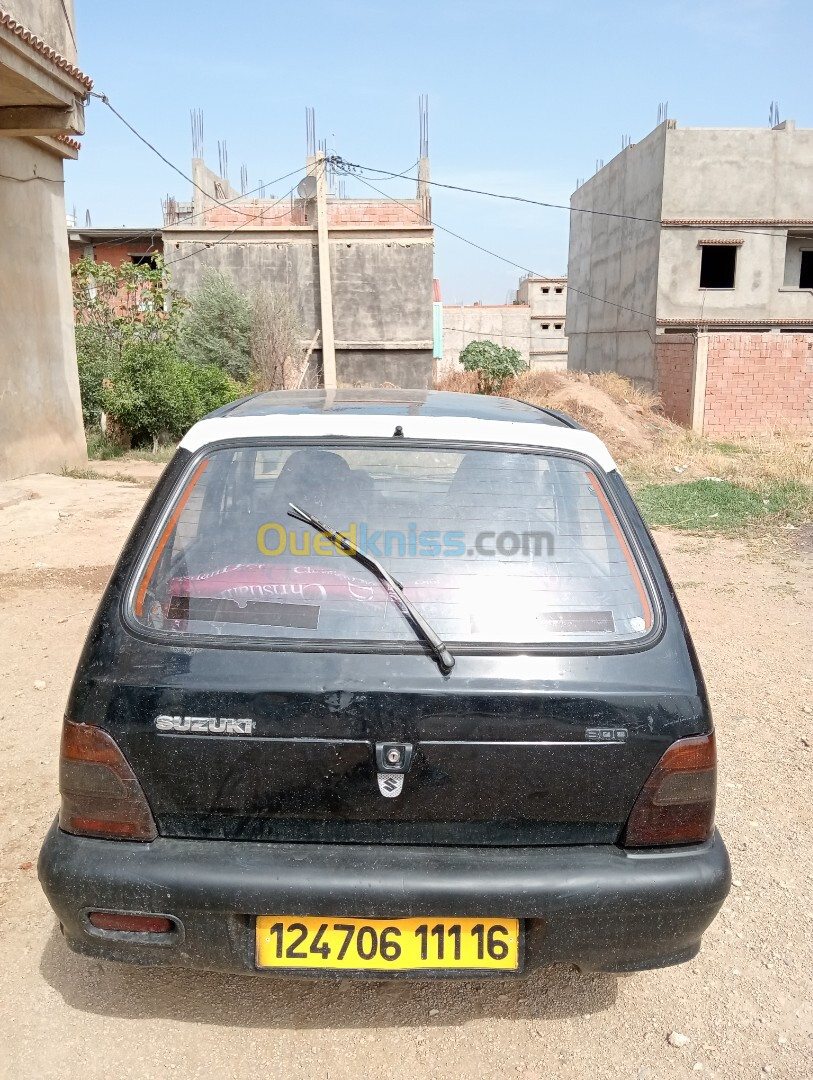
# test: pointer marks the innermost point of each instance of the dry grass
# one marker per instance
(658, 457)
(532, 386)
(625, 417)
(538, 387)
(749, 462)
(458, 382)
(624, 392)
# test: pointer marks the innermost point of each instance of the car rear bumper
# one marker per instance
(600, 908)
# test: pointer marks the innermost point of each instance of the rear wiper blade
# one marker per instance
(444, 658)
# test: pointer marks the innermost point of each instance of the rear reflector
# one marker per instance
(133, 924)
(676, 804)
(100, 793)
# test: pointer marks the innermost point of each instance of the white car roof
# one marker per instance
(421, 415)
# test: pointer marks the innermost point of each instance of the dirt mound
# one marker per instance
(622, 427)
(625, 416)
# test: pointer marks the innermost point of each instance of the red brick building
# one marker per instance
(116, 246)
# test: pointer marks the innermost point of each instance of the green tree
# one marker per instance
(493, 364)
(154, 394)
(115, 307)
(217, 326)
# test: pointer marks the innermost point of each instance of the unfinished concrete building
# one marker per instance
(534, 325)
(379, 253)
(546, 298)
(694, 267)
(42, 95)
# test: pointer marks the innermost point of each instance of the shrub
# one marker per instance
(154, 394)
(216, 330)
(276, 341)
(215, 388)
(493, 363)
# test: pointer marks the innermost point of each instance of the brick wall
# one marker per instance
(116, 254)
(758, 382)
(381, 214)
(674, 356)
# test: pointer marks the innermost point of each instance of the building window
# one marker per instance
(546, 326)
(557, 326)
(806, 270)
(559, 290)
(147, 259)
(545, 290)
(718, 264)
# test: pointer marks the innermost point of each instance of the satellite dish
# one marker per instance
(306, 188)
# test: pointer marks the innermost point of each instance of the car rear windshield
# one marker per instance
(491, 545)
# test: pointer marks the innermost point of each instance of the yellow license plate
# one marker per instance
(285, 941)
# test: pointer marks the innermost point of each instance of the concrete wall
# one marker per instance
(544, 296)
(210, 189)
(382, 291)
(406, 368)
(46, 19)
(758, 175)
(505, 324)
(40, 413)
(616, 259)
(735, 173)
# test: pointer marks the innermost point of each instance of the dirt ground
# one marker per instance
(745, 1004)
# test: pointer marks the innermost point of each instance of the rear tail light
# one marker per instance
(676, 804)
(124, 922)
(100, 793)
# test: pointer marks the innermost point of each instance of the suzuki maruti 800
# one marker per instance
(387, 683)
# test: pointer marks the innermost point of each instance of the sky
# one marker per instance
(525, 98)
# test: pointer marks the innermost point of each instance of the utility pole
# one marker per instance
(325, 286)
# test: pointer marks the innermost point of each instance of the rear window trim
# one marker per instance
(376, 647)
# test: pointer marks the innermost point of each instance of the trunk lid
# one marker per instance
(485, 769)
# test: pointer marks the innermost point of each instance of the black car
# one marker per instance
(386, 683)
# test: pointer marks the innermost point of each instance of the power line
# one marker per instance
(106, 101)
(339, 162)
(201, 213)
(558, 206)
(502, 258)
(28, 179)
(222, 239)
(531, 337)
(509, 334)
